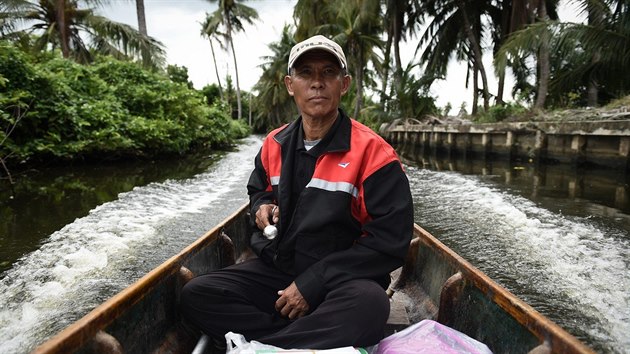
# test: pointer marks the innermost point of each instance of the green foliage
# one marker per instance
(212, 93)
(35, 26)
(499, 113)
(60, 109)
(179, 74)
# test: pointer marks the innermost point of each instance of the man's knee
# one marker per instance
(368, 299)
(189, 298)
(374, 300)
(367, 309)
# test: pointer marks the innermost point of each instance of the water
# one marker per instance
(567, 256)
(558, 239)
(95, 256)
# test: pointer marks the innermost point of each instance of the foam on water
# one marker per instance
(566, 263)
(92, 258)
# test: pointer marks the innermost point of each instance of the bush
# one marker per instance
(64, 110)
(499, 113)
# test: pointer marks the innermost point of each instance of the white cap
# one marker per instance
(317, 42)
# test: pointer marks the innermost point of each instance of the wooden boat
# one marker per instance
(436, 282)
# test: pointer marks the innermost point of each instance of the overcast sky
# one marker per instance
(177, 24)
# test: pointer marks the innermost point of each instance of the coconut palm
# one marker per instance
(8, 9)
(273, 103)
(142, 19)
(64, 24)
(400, 18)
(142, 28)
(357, 29)
(210, 30)
(584, 54)
(311, 14)
(232, 15)
(456, 27)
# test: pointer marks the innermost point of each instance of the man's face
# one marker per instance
(317, 84)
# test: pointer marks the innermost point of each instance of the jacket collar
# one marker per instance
(340, 140)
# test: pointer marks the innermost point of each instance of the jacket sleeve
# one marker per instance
(259, 192)
(384, 243)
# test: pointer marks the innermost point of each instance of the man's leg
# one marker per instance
(353, 314)
(239, 298)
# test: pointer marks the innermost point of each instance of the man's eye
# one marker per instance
(304, 72)
(330, 72)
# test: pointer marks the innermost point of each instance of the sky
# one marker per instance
(177, 24)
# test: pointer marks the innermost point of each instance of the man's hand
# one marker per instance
(266, 214)
(291, 304)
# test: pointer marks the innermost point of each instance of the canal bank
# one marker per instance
(604, 143)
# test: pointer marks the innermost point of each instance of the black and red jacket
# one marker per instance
(354, 219)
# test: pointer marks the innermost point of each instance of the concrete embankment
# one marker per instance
(601, 143)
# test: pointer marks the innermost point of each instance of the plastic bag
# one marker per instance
(236, 344)
(428, 336)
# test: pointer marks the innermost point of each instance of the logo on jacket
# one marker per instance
(344, 164)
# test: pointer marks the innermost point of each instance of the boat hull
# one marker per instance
(435, 283)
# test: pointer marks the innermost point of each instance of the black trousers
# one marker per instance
(241, 299)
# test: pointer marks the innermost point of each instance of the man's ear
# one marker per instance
(345, 84)
(288, 82)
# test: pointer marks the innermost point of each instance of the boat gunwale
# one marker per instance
(83, 330)
(547, 331)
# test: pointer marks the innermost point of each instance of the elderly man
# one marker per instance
(340, 201)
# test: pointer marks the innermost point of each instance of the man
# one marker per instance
(341, 204)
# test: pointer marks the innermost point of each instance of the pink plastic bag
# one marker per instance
(428, 336)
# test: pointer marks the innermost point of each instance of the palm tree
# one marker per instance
(8, 8)
(311, 14)
(142, 19)
(585, 55)
(274, 105)
(357, 29)
(400, 18)
(142, 28)
(63, 24)
(211, 31)
(455, 28)
(544, 70)
(475, 47)
(63, 27)
(413, 100)
(231, 16)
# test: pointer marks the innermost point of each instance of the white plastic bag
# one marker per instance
(430, 337)
(236, 344)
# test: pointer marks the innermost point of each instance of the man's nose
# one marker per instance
(318, 79)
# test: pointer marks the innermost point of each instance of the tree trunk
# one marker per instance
(593, 85)
(594, 19)
(216, 69)
(359, 82)
(544, 71)
(506, 15)
(238, 87)
(386, 69)
(500, 89)
(475, 104)
(397, 37)
(142, 28)
(142, 20)
(477, 57)
(64, 40)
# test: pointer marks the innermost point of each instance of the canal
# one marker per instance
(70, 238)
